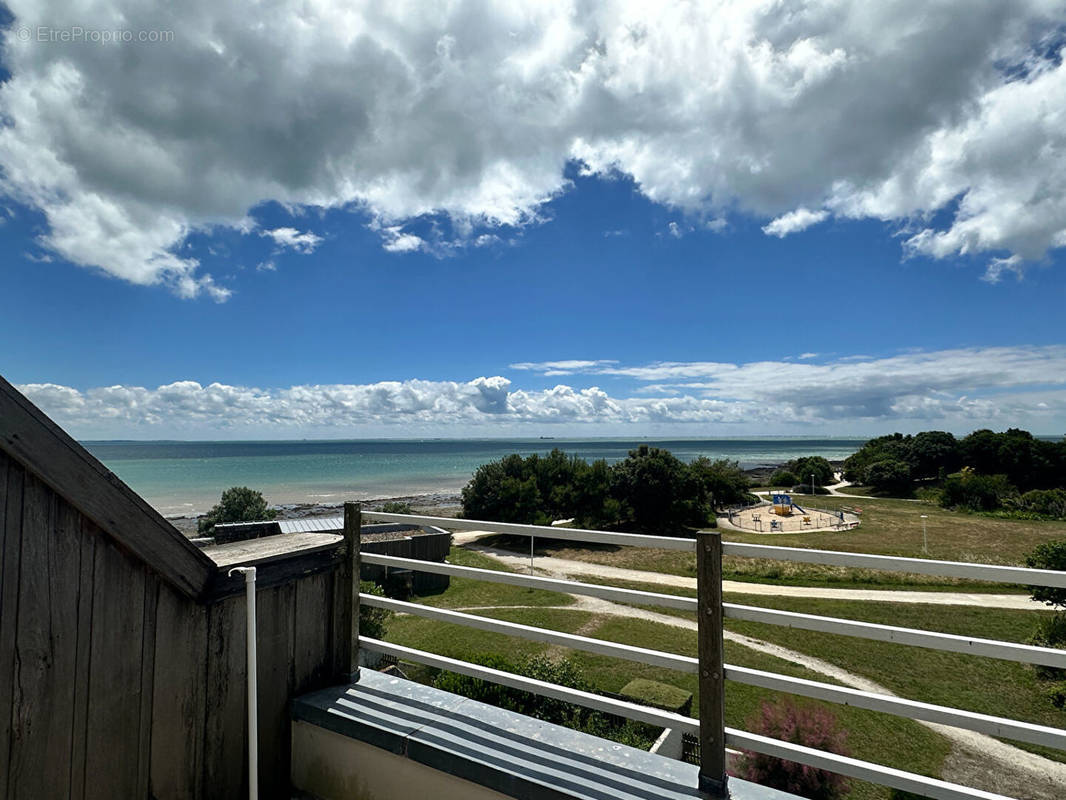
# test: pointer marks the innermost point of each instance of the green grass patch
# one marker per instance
(472, 593)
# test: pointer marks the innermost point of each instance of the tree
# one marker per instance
(372, 620)
(719, 483)
(238, 504)
(811, 726)
(804, 468)
(656, 492)
(889, 476)
(933, 454)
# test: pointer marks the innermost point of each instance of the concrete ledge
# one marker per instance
(500, 751)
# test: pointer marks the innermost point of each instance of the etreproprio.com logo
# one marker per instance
(77, 34)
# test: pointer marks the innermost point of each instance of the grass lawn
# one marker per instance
(889, 527)
(469, 593)
(876, 737)
(986, 685)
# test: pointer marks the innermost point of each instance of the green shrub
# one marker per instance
(1049, 555)
(396, 507)
(971, 490)
(1049, 503)
(784, 477)
(373, 620)
(563, 672)
(238, 504)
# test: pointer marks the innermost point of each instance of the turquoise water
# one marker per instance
(188, 477)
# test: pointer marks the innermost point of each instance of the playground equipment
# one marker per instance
(784, 507)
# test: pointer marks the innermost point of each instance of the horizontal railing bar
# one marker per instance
(540, 531)
(993, 573)
(552, 584)
(901, 707)
(990, 648)
(854, 768)
(898, 706)
(634, 711)
(625, 651)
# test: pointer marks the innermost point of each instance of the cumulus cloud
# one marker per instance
(794, 222)
(474, 111)
(957, 389)
(294, 240)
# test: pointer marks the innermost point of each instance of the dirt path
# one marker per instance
(976, 759)
(568, 568)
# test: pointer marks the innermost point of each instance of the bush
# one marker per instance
(396, 507)
(238, 504)
(563, 672)
(811, 726)
(968, 489)
(372, 620)
(783, 477)
(657, 492)
(1049, 555)
(719, 483)
(1050, 632)
(1043, 502)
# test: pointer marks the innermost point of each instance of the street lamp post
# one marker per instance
(925, 536)
(812, 483)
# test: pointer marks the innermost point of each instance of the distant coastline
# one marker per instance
(184, 479)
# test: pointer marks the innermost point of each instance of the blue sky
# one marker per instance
(401, 294)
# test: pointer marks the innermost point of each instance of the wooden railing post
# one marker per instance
(346, 601)
(712, 778)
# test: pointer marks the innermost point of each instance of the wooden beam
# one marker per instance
(29, 437)
(712, 776)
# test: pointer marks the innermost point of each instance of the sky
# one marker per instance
(335, 220)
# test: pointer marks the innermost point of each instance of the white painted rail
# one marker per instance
(1008, 651)
(854, 768)
(930, 787)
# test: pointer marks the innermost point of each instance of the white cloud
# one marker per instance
(794, 222)
(955, 389)
(266, 266)
(862, 110)
(290, 237)
(394, 240)
(807, 356)
(568, 367)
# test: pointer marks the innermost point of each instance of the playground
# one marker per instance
(783, 515)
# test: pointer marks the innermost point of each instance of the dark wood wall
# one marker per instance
(114, 684)
(422, 546)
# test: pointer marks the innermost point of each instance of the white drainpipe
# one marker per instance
(253, 711)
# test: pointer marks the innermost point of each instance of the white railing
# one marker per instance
(710, 668)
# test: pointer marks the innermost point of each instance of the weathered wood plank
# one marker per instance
(311, 627)
(90, 535)
(276, 572)
(31, 438)
(256, 552)
(275, 615)
(9, 571)
(45, 646)
(148, 653)
(179, 712)
(225, 753)
(112, 729)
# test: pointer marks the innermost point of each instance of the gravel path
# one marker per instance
(976, 759)
(568, 568)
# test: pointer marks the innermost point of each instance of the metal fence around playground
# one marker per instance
(715, 739)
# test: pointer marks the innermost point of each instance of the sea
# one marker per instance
(187, 478)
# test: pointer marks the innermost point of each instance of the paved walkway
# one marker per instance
(568, 568)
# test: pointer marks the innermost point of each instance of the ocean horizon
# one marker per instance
(185, 478)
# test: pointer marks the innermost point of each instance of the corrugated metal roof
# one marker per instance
(319, 525)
